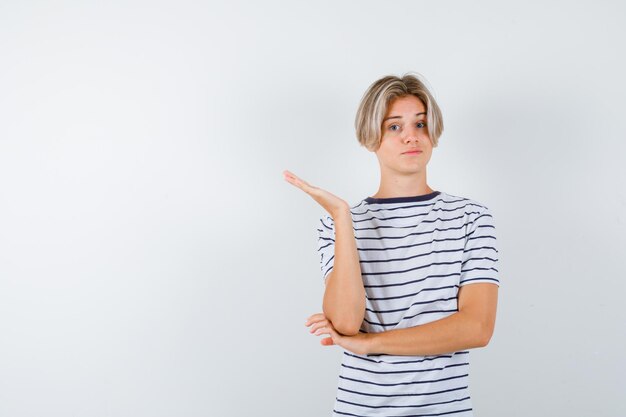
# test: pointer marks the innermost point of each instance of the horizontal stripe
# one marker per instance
(414, 304)
(479, 269)
(483, 247)
(401, 271)
(476, 259)
(413, 293)
(373, 323)
(369, 209)
(412, 206)
(419, 394)
(481, 279)
(405, 246)
(397, 284)
(390, 248)
(398, 227)
(409, 415)
(411, 257)
(405, 361)
(405, 406)
(384, 220)
(408, 371)
(417, 382)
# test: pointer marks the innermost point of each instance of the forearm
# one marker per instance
(344, 296)
(456, 332)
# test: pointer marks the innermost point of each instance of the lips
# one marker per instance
(415, 151)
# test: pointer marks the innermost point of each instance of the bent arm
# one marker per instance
(456, 332)
(470, 327)
(344, 295)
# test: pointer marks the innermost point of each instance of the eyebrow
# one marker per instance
(399, 117)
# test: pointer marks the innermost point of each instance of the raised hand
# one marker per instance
(330, 202)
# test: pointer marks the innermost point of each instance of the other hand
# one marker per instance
(359, 343)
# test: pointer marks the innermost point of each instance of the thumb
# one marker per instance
(327, 341)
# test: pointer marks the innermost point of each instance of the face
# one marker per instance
(404, 129)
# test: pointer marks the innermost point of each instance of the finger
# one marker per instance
(291, 177)
(297, 181)
(317, 325)
(322, 330)
(314, 318)
(327, 330)
(333, 333)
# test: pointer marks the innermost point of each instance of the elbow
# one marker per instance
(352, 325)
(485, 335)
(482, 342)
(347, 329)
(347, 326)
(348, 323)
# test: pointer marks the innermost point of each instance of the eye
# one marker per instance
(419, 124)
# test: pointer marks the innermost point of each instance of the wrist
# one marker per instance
(372, 344)
(342, 215)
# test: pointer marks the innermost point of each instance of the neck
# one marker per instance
(403, 185)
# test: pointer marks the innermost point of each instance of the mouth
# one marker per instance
(411, 153)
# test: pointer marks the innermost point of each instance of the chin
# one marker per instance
(410, 171)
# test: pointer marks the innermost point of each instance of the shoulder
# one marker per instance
(470, 204)
(472, 212)
(357, 205)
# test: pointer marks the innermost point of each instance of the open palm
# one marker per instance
(330, 202)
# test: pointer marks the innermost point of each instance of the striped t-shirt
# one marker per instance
(415, 253)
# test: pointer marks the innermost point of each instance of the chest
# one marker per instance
(411, 270)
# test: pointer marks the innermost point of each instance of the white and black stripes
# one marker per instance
(415, 253)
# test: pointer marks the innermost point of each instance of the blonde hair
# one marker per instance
(376, 100)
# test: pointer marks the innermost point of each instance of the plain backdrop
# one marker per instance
(154, 262)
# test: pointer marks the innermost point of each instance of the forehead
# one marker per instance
(406, 104)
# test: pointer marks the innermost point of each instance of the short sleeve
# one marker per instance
(326, 244)
(480, 256)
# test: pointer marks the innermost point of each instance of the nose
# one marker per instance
(411, 135)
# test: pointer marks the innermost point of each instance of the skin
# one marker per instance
(404, 129)
(402, 174)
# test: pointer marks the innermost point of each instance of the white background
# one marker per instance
(153, 261)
